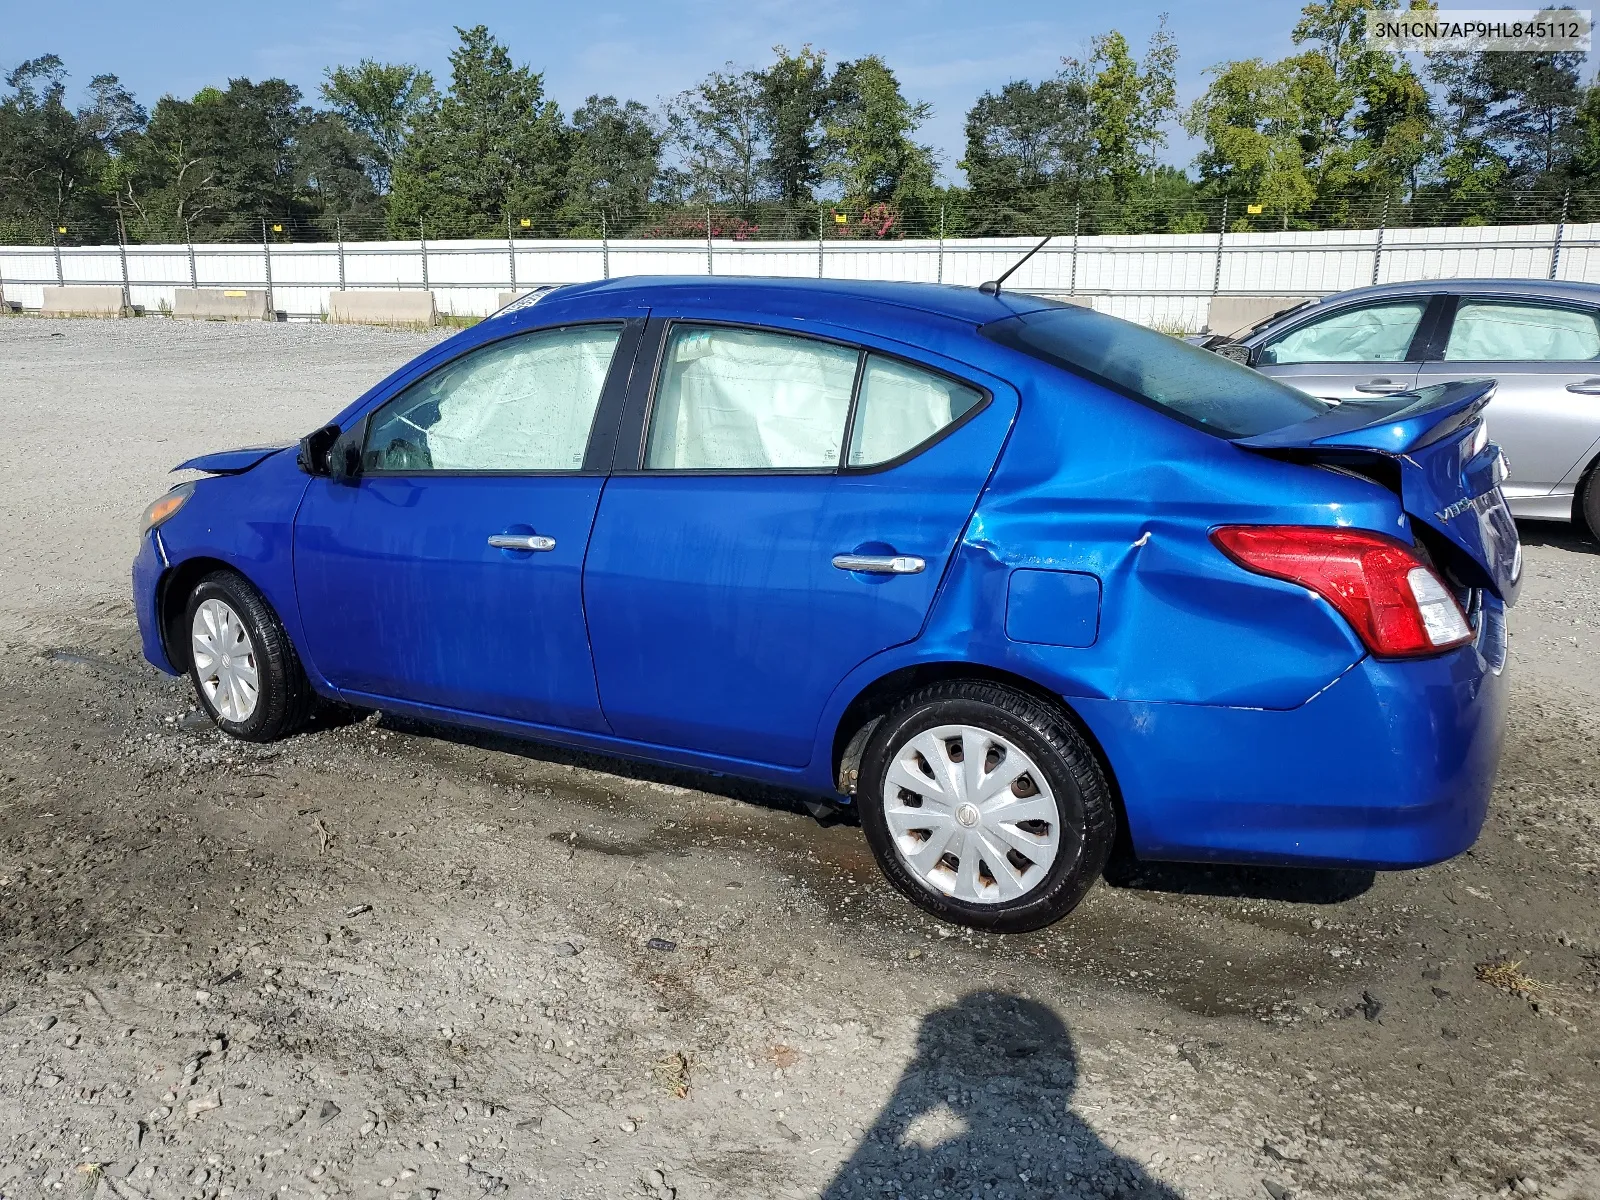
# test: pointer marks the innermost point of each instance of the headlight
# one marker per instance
(163, 508)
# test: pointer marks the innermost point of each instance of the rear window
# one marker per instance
(1194, 385)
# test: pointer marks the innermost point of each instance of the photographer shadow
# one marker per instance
(985, 1109)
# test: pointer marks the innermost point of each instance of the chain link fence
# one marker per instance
(960, 216)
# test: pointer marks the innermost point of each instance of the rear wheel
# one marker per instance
(985, 806)
(244, 669)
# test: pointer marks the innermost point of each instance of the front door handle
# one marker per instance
(880, 564)
(521, 541)
(1587, 387)
(1380, 387)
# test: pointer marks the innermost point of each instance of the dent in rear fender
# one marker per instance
(1178, 622)
(247, 522)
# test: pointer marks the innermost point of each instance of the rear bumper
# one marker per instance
(1390, 767)
(148, 566)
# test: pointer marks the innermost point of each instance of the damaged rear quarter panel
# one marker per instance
(1093, 483)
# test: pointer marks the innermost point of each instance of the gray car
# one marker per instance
(1539, 339)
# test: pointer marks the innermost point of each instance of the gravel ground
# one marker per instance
(387, 960)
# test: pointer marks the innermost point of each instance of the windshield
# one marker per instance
(1194, 385)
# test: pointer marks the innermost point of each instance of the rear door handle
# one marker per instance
(880, 564)
(1587, 387)
(1380, 387)
(521, 541)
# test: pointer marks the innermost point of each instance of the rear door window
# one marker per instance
(749, 400)
(1498, 331)
(1194, 385)
(900, 407)
(1376, 333)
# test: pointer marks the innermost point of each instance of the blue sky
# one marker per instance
(945, 51)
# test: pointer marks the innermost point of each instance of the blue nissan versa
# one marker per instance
(1014, 575)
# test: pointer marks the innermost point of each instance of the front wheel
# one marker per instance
(985, 806)
(244, 669)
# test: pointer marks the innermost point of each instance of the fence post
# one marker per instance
(1222, 232)
(188, 240)
(1561, 231)
(1377, 252)
(819, 241)
(422, 240)
(122, 253)
(511, 252)
(709, 271)
(55, 241)
(605, 246)
(266, 260)
(941, 243)
(338, 233)
(1077, 225)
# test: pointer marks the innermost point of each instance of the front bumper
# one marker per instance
(1391, 766)
(149, 565)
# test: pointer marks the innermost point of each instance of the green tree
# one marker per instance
(795, 98)
(381, 102)
(873, 155)
(1250, 120)
(57, 165)
(491, 148)
(715, 133)
(1028, 149)
(616, 152)
(216, 163)
(1130, 103)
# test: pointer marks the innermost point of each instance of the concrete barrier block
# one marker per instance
(82, 300)
(371, 306)
(1230, 315)
(221, 304)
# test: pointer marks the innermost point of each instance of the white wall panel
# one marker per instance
(1162, 279)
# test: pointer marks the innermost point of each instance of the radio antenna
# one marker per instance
(992, 288)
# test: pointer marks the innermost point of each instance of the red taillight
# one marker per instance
(1395, 602)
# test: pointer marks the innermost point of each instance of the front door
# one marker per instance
(794, 507)
(1545, 359)
(449, 572)
(1356, 353)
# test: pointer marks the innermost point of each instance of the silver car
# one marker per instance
(1540, 340)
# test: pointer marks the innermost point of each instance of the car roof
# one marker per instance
(965, 304)
(1553, 289)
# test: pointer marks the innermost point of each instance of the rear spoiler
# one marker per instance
(1409, 421)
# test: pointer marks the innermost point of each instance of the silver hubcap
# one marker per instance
(225, 661)
(971, 815)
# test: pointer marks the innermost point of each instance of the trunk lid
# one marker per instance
(1449, 474)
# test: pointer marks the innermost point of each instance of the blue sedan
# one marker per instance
(1015, 578)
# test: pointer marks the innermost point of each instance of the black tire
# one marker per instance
(285, 699)
(1088, 822)
(1589, 503)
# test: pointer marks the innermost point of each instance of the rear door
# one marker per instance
(449, 572)
(785, 511)
(1545, 357)
(1357, 352)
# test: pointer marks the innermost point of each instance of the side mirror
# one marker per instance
(314, 447)
(344, 455)
(1234, 352)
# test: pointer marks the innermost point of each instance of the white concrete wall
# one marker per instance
(1163, 279)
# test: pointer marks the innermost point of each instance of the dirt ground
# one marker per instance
(387, 960)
